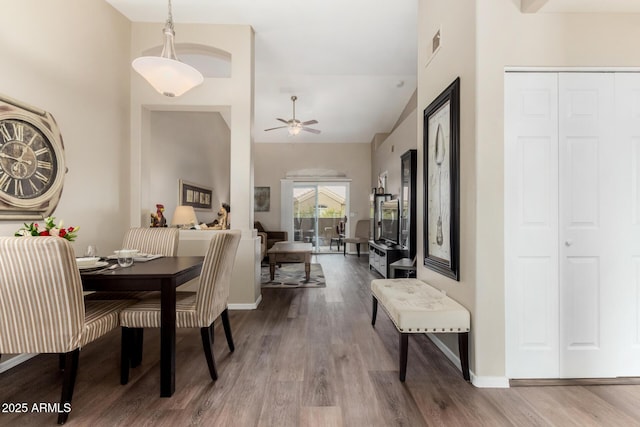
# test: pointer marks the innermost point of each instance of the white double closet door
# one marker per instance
(572, 224)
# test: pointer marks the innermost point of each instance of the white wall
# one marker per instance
(193, 146)
(71, 58)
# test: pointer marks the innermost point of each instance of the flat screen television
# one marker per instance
(390, 222)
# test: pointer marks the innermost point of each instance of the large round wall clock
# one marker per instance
(32, 165)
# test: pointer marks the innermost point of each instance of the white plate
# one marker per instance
(98, 264)
(139, 257)
(87, 261)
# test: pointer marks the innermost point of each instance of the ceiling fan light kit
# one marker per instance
(293, 125)
(294, 129)
(165, 73)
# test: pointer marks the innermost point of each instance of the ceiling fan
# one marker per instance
(294, 125)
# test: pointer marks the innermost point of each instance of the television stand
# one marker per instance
(381, 256)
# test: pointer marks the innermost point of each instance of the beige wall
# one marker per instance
(82, 78)
(386, 157)
(456, 58)
(72, 59)
(509, 38)
(233, 94)
(273, 161)
(477, 44)
(193, 146)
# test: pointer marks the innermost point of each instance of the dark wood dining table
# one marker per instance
(162, 274)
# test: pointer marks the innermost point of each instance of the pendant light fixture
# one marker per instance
(166, 73)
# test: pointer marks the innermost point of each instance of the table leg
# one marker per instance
(307, 270)
(272, 268)
(167, 338)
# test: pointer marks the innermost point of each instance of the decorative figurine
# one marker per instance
(224, 222)
(158, 219)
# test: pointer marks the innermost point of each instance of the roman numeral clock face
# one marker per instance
(32, 164)
(27, 160)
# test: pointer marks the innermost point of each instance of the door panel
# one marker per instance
(586, 276)
(582, 182)
(628, 132)
(582, 307)
(318, 210)
(534, 294)
(590, 225)
(531, 225)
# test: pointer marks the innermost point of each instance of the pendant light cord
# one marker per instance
(169, 22)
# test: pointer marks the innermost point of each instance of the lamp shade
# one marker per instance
(184, 215)
(165, 73)
(168, 76)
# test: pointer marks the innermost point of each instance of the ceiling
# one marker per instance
(590, 6)
(352, 64)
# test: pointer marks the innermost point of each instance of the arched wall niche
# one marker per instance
(209, 60)
(315, 174)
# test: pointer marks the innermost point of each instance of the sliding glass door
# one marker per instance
(318, 210)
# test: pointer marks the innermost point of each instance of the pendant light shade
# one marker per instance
(166, 73)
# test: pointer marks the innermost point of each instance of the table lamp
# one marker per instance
(184, 217)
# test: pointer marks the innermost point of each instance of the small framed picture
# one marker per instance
(196, 195)
(261, 199)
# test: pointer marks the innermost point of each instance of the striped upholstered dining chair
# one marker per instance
(154, 240)
(157, 241)
(42, 306)
(149, 240)
(194, 309)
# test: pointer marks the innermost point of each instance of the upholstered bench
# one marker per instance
(415, 307)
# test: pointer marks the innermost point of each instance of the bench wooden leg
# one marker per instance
(404, 347)
(375, 311)
(463, 349)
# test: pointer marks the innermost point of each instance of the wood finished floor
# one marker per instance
(306, 357)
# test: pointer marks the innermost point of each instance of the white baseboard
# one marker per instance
(246, 306)
(15, 361)
(489, 382)
(477, 381)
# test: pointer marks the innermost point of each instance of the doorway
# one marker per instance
(572, 180)
(318, 209)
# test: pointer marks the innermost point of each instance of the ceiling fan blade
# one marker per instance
(283, 120)
(279, 127)
(316, 131)
(309, 122)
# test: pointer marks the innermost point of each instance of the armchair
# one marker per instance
(263, 244)
(272, 236)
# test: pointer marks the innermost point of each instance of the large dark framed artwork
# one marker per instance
(191, 194)
(442, 182)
